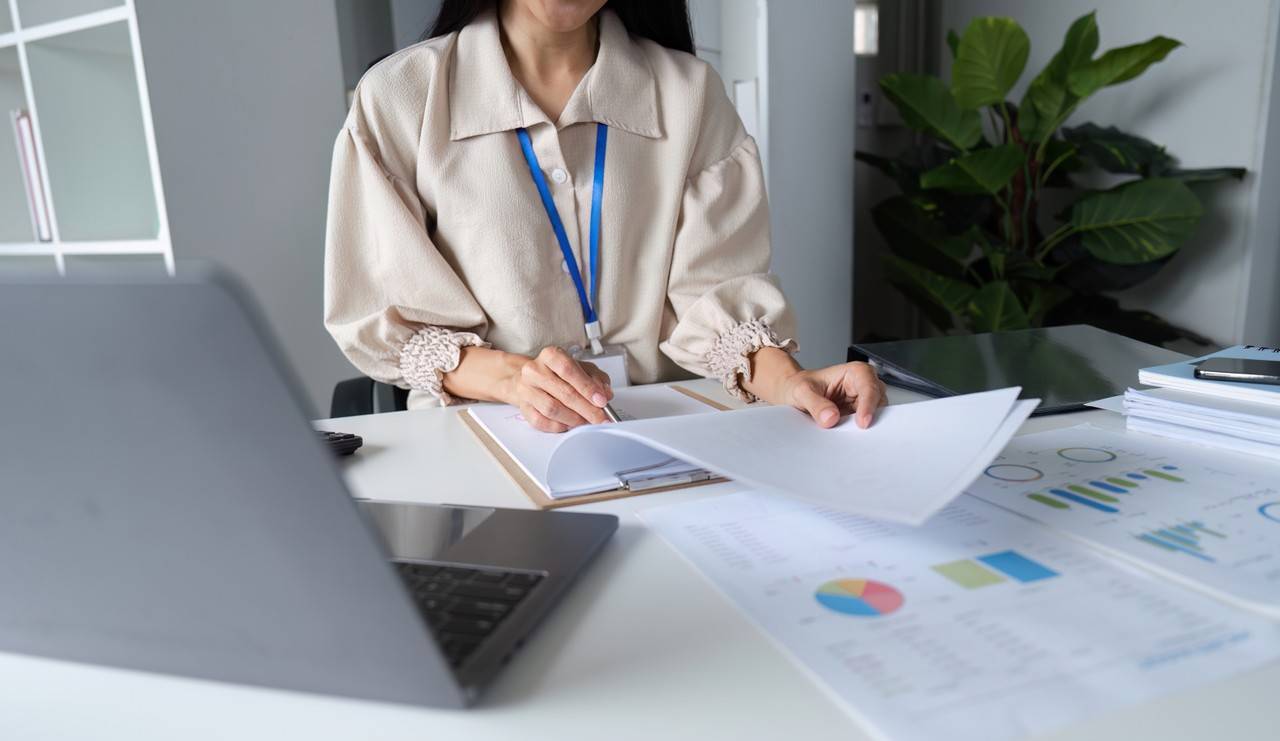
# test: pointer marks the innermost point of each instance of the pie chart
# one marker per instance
(862, 597)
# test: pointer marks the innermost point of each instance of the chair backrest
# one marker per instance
(356, 396)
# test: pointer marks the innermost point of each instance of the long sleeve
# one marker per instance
(726, 302)
(394, 305)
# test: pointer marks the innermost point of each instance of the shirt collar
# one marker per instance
(484, 97)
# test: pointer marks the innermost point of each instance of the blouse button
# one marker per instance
(559, 175)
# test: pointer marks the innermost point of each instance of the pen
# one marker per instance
(612, 415)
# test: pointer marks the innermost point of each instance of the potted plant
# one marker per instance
(979, 237)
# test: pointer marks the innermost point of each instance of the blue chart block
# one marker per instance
(1016, 566)
(1083, 500)
(1137, 476)
(1108, 487)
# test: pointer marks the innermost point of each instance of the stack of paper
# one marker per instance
(1241, 426)
(1244, 417)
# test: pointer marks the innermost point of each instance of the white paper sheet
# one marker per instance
(532, 449)
(944, 644)
(1209, 518)
(913, 460)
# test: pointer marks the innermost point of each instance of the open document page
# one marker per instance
(913, 460)
(532, 449)
(1207, 517)
(978, 624)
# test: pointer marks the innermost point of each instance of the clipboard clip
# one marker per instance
(648, 477)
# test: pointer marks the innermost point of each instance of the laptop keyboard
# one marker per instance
(463, 605)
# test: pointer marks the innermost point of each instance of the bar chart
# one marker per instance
(993, 568)
(1103, 493)
(1183, 538)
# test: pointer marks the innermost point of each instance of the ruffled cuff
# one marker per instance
(429, 354)
(729, 358)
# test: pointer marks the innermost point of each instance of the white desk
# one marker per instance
(642, 648)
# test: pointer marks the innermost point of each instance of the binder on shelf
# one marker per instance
(37, 199)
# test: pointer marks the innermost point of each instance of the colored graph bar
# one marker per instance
(1017, 566)
(1082, 500)
(1185, 537)
(1163, 475)
(1137, 476)
(1056, 504)
(1197, 525)
(1151, 539)
(1122, 482)
(1085, 491)
(1108, 487)
(968, 574)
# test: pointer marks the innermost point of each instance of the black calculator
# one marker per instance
(341, 443)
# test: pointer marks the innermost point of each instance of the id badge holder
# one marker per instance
(612, 361)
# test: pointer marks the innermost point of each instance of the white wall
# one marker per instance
(247, 98)
(1208, 103)
(810, 125)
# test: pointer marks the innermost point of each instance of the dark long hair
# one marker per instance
(663, 21)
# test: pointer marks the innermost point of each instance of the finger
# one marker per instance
(600, 376)
(822, 409)
(538, 421)
(567, 368)
(869, 392)
(569, 396)
(552, 409)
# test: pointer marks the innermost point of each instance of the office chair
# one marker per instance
(363, 395)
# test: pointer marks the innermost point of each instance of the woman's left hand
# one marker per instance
(827, 393)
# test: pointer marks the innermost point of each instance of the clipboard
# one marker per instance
(541, 500)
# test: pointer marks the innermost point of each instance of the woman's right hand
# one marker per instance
(555, 392)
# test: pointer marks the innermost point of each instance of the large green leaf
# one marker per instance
(1119, 65)
(995, 308)
(990, 59)
(1116, 151)
(937, 296)
(927, 105)
(1136, 222)
(983, 171)
(953, 42)
(1047, 100)
(914, 235)
(1043, 297)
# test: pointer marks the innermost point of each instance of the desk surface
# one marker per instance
(642, 648)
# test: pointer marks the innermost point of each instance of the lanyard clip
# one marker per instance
(594, 334)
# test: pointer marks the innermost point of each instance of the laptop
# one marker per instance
(167, 507)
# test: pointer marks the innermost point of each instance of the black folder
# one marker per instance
(1064, 367)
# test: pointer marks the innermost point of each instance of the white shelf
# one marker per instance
(40, 12)
(75, 66)
(109, 247)
(15, 218)
(91, 124)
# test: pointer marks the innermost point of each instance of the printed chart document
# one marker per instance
(976, 625)
(1207, 517)
(913, 460)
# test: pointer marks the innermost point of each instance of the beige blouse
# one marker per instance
(437, 238)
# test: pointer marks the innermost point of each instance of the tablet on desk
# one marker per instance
(1065, 367)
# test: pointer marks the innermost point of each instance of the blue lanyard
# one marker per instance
(588, 300)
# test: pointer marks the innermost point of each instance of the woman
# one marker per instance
(544, 175)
